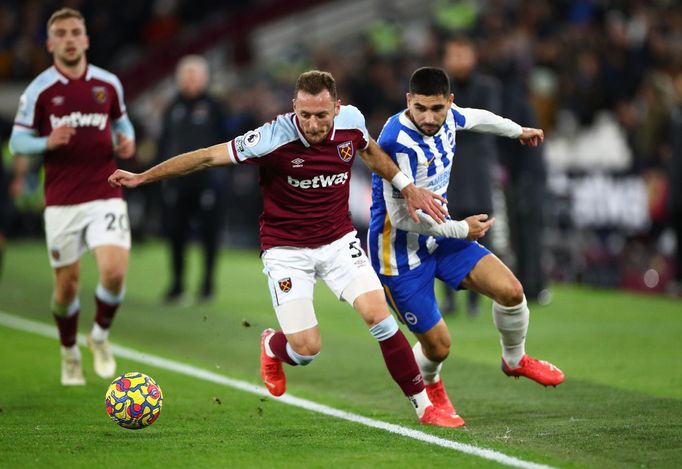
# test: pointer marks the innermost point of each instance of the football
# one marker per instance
(134, 400)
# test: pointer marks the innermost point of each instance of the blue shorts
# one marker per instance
(411, 294)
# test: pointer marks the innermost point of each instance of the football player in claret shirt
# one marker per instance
(305, 159)
(409, 256)
(73, 113)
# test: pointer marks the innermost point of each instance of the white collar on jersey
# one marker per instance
(294, 119)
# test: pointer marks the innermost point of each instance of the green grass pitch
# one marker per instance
(620, 406)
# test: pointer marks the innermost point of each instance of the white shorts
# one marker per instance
(72, 229)
(292, 271)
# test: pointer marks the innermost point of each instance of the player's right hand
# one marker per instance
(478, 226)
(60, 136)
(419, 198)
(122, 178)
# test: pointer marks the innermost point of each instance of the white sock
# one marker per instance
(512, 323)
(420, 402)
(98, 333)
(72, 352)
(430, 369)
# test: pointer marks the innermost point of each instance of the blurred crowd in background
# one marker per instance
(602, 78)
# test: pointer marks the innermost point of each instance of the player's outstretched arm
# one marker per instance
(481, 120)
(177, 166)
(415, 197)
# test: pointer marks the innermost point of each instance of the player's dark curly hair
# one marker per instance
(314, 82)
(430, 81)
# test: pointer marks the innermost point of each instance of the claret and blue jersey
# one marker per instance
(90, 104)
(305, 186)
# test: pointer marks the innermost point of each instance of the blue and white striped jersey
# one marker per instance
(428, 160)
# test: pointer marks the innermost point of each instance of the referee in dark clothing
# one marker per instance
(470, 189)
(193, 120)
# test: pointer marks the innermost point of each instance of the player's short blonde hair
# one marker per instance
(63, 14)
(315, 81)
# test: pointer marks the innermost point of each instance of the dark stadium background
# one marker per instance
(605, 78)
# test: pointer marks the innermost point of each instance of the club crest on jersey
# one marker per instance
(410, 318)
(285, 284)
(100, 94)
(345, 151)
(451, 138)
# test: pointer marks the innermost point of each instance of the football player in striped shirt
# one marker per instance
(409, 256)
(305, 159)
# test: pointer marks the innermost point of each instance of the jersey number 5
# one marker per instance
(354, 249)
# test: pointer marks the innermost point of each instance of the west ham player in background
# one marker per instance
(305, 161)
(408, 256)
(73, 114)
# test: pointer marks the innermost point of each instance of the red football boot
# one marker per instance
(437, 417)
(271, 369)
(439, 397)
(539, 371)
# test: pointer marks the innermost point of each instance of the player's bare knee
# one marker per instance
(376, 317)
(373, 312)
(113, 278)
(372, 307)
(512, 294)
(438, 354)
(437, 350)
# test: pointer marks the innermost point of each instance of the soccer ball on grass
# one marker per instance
(133, 400)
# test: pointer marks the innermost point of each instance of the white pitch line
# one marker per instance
(42, 329)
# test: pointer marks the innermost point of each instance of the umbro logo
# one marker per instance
(58, 100)
(297, 163)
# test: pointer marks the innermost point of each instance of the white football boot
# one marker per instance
(72, 371)
(105, 364)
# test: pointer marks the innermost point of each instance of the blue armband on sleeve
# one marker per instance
(124, 126)
(23, 142)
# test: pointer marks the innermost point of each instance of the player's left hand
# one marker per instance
(125, 147)
(531, 137)
(429, 202)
